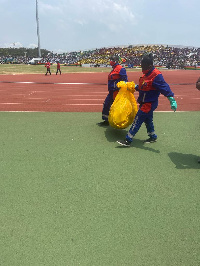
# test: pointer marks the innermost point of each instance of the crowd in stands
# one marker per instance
(14, 59)
(168, 56)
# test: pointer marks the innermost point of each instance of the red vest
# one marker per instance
(114, 74)
(145, 82)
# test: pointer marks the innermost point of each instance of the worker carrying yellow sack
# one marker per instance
(124, 107)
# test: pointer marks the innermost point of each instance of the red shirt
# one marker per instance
(48, 65)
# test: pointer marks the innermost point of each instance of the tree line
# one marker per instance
(24, 52)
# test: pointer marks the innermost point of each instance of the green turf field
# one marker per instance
(71, 196)
(40, 69)
(10, 69)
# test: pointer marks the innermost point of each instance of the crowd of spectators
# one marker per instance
(170, 57)
(167, 56)
(14, 59)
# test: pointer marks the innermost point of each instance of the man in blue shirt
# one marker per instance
(151, 84)
(118, 73)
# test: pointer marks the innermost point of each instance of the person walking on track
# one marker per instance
(118, 73)
(58, 68)
(48, 67)
(151, 84)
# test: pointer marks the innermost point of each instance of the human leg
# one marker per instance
(150, 107)
(139, 119)
(106, 108)
(48, 71)
(144, 114)
(150, 128)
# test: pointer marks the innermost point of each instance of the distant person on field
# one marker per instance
(151, 84)
(198, 88)
(58, 68)
(48, 67)
(118, 73)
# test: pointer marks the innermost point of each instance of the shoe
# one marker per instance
(150, 140)
(124, 143)
(103, 123)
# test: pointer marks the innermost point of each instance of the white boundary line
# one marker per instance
(51, 83)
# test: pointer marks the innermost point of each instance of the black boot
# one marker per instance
(103, 123)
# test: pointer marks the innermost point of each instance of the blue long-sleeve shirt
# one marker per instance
(152, 84)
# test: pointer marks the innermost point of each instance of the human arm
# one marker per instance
(163, 87)
(136, 87)
(198, 84)
(173, 103)
(123, 74)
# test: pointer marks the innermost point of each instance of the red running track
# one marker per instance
(85, 92)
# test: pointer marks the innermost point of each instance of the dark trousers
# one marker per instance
(144, 115)
(107, 104)
(58, 70)
(48, 71)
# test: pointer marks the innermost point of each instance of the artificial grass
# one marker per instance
(71, 196)
(10, 69)
(14, 69)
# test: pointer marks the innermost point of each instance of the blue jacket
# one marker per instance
(151, 85)
(118, 73)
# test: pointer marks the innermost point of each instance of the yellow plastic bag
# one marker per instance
(124, 107)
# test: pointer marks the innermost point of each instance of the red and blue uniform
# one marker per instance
(117, 74)
(150, 86)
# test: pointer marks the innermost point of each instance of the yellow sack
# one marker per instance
(124, 107)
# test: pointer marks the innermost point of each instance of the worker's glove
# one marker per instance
(173, 103)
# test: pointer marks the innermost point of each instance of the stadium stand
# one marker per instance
(164, 56)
